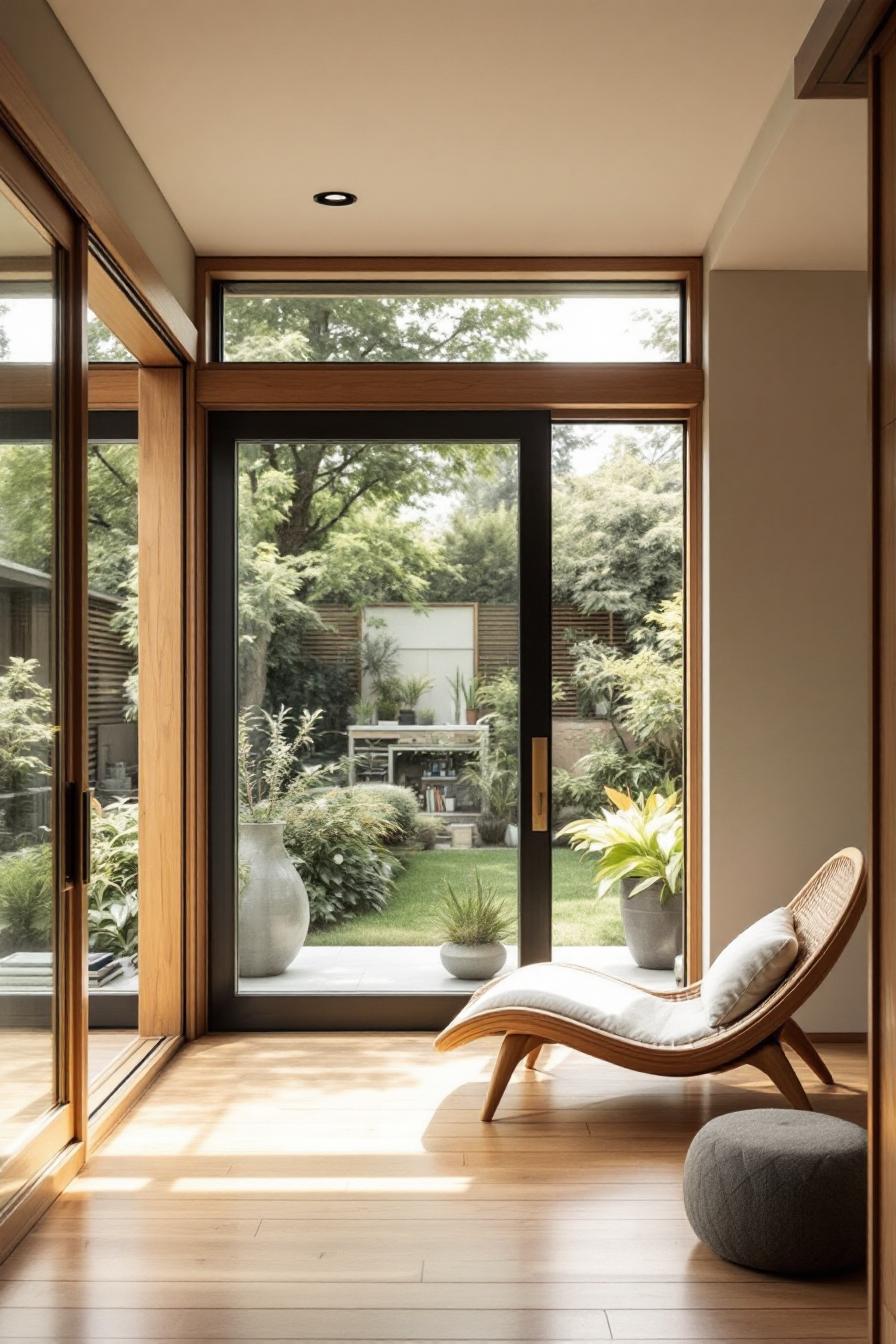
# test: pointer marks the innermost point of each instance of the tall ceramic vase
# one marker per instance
(274, 911)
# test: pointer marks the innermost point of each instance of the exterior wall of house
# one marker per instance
(788, 487)
(40, 45)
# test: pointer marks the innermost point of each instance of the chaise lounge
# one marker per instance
(673, 1033)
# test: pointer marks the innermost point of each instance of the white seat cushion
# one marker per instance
(749, 968)
(595, 1000)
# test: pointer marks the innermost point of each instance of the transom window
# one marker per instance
(445, 322)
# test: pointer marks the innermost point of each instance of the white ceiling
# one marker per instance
(465, 126)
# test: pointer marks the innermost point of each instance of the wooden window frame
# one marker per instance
(642, 392)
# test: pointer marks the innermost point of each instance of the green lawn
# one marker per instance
(410, 919)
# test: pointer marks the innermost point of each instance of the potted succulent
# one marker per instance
(274, 911)
(638, 847)
(473, 924)
(409, 693)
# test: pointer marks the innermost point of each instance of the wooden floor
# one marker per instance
(342, 1188)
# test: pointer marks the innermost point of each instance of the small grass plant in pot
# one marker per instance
(274, 912)
(410, 692)
(638, 849)
(473, 922)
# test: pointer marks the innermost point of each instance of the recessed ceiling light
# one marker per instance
(335, 197)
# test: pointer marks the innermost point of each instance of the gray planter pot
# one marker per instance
(274, 911)
(652, 931)
(473, 961)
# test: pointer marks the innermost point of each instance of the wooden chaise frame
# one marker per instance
(825, 914)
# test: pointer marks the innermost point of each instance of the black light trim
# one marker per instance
(335, 197)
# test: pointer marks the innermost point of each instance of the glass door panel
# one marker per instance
(618, 695)
(30, 1079)
(367, 712)
(112, 660)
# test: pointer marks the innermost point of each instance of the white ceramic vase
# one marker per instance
(274, 910)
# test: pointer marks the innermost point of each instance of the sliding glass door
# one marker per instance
(41, 806)
(447, 674)
(379, 703)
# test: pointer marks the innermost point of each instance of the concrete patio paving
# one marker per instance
(418, 970)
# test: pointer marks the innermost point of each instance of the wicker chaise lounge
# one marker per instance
(553, 1004)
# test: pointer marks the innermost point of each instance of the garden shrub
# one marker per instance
(337, 842)
(112, 914)
(399, 810)
(26, 899)
(428, 830)
(26, 888)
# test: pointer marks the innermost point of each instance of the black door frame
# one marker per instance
(228, 1010)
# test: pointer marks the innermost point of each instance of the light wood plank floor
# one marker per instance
(342, 1188)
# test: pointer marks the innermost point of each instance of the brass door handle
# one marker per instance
(539, 784)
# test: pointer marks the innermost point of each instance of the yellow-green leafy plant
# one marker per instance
(639, 838)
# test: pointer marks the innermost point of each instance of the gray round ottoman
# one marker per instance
(781, 1191)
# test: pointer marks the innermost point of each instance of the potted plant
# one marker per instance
(364, 712)
(273, 904)
(388, 696)
(379, 664)
(458, 692)
(473, 923)
(409, 693)
(471, 693)
(495, 784)
(638, 846)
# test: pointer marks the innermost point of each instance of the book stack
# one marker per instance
(435, 798)
(34, 970)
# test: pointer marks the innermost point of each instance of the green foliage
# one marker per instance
(103, 346)
(641, 693)
(337, 841)
(379, 655)
(617, 532)
(397, 808)
(269, 749)
(270, 583)
(428, 830)
(387, 330)
(377, 557)
(412, 689)
(481, 558)
(474, 914)
(364, 711)
(300, 681)
(26, 724)
(606, 764)
(112, 917)
(26, 899)
(637, 838)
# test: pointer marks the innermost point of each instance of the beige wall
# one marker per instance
(65, 86)
(788, 593)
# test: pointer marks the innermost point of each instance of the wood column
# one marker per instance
(161, 701)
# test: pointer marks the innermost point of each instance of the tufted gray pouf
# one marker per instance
(780, 1191)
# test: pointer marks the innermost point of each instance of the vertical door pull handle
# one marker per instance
(539, 784)
(86, 810)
